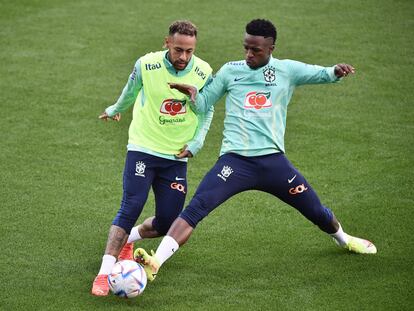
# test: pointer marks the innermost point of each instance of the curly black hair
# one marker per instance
(262, 27)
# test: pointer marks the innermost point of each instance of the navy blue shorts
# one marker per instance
(272, 173)
(168, 179)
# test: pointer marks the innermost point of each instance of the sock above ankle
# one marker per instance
(134, 235)
(340, 236)
(166, 249)
(108, 262)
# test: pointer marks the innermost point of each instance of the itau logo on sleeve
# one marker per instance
(140, 169)
(173, 107)
(133, 74)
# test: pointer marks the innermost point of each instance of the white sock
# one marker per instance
(108, 263)
(166, 249)
(134, 235)
(340, 236)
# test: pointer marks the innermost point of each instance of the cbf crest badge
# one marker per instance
(225, 172)
(140, 169)
(269, 74)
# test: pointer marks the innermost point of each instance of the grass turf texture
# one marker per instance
(61, 168)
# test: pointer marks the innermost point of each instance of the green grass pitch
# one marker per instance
(63, 62)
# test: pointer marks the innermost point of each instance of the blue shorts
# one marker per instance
(168, 179)
(271, 173)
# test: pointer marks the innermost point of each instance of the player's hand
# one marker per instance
(186, 89)
(104, 116)
(342, 70)
(184, 153)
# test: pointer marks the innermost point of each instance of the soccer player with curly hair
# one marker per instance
(163, 134)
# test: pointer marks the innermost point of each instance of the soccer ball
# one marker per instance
(127, 279)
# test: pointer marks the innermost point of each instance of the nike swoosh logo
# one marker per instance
(238, 79)
(290, 180)
(179, 178)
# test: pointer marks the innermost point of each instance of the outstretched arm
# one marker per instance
(186, 89)
(127, 97)
(302, 73)
(208, 96)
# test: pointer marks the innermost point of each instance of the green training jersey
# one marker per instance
(162, 119)
(257, 101)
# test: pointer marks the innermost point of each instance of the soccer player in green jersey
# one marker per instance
(164, 132)
(258, 90)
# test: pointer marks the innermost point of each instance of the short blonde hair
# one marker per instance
(183, 27)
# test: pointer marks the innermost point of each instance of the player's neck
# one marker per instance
(262, 65)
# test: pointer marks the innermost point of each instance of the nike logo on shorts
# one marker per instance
(290, 180)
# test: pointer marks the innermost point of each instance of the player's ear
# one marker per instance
(166, 42)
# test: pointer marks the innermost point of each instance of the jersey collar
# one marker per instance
(175, 72)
